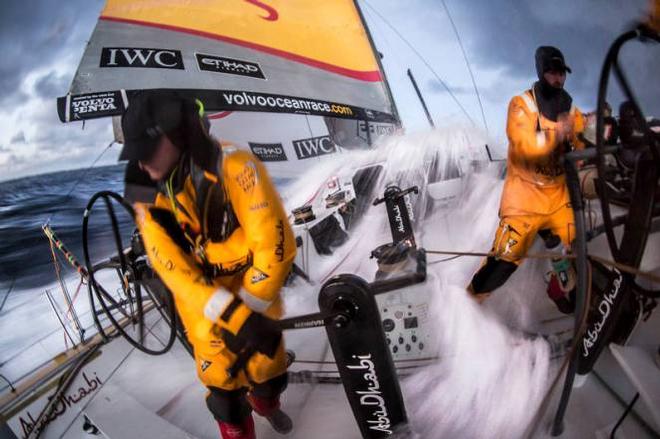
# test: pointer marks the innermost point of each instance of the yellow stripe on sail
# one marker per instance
(326, 34)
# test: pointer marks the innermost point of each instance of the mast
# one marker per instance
(421, 98)
(380, 65)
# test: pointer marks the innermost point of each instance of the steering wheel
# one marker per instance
(136, 290)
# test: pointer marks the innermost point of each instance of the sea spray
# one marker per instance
(487, 382)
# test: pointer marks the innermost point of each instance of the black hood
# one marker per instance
(551, 101)
(549, 58)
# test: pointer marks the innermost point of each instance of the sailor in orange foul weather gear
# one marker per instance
(542, 124)
(219, 238)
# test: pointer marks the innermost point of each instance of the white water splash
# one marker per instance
(489, 379)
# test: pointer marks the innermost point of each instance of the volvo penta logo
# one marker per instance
(314, 147)
(212, 63)
(96, 105)
(141, 57)
(268, 152)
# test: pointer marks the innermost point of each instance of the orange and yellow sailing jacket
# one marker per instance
(211, 241)
(535, 182)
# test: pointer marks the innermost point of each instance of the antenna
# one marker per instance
(419, 95)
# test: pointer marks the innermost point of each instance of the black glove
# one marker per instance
(258, 333)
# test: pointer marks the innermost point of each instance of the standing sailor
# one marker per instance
(542, 124)
(219, 238)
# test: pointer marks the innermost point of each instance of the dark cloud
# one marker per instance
(18, 138)
(503, 36)
(35, 33)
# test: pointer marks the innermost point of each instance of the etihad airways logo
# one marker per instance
(141, 57)
(268, 152)
(314, 147)
(219, 64)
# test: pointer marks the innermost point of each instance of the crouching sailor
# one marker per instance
(542, 124)
(218, 237)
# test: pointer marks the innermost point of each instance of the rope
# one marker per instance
(451, 258)
(626, 268)
(334, 363)
(11, 386)
(423, 60)
(73, 317)
(70, 258)
(4, 299)
(376, 27)
(70, 309)
(57, 314)
(467, 63)
(582, 328)
(550, 255)
(536, 420)
(77, 182)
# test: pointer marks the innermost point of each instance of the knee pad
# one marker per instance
(492, 275)
(228, 405)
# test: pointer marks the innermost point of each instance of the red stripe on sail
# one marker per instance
(220, 115)
(372, 76)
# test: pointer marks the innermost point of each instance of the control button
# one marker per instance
(408, 347)
(398, 314)
(395, 349)
(384, 309)
(388, 325)
(409, 306)
(389, 341)
(414, 339)
(421, 346)
(400, 340)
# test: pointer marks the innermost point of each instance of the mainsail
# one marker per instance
(276, 56)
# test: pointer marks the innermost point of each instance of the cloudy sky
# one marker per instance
(42, 46)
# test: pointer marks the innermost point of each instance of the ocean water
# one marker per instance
(26, 204)
(26, 261)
